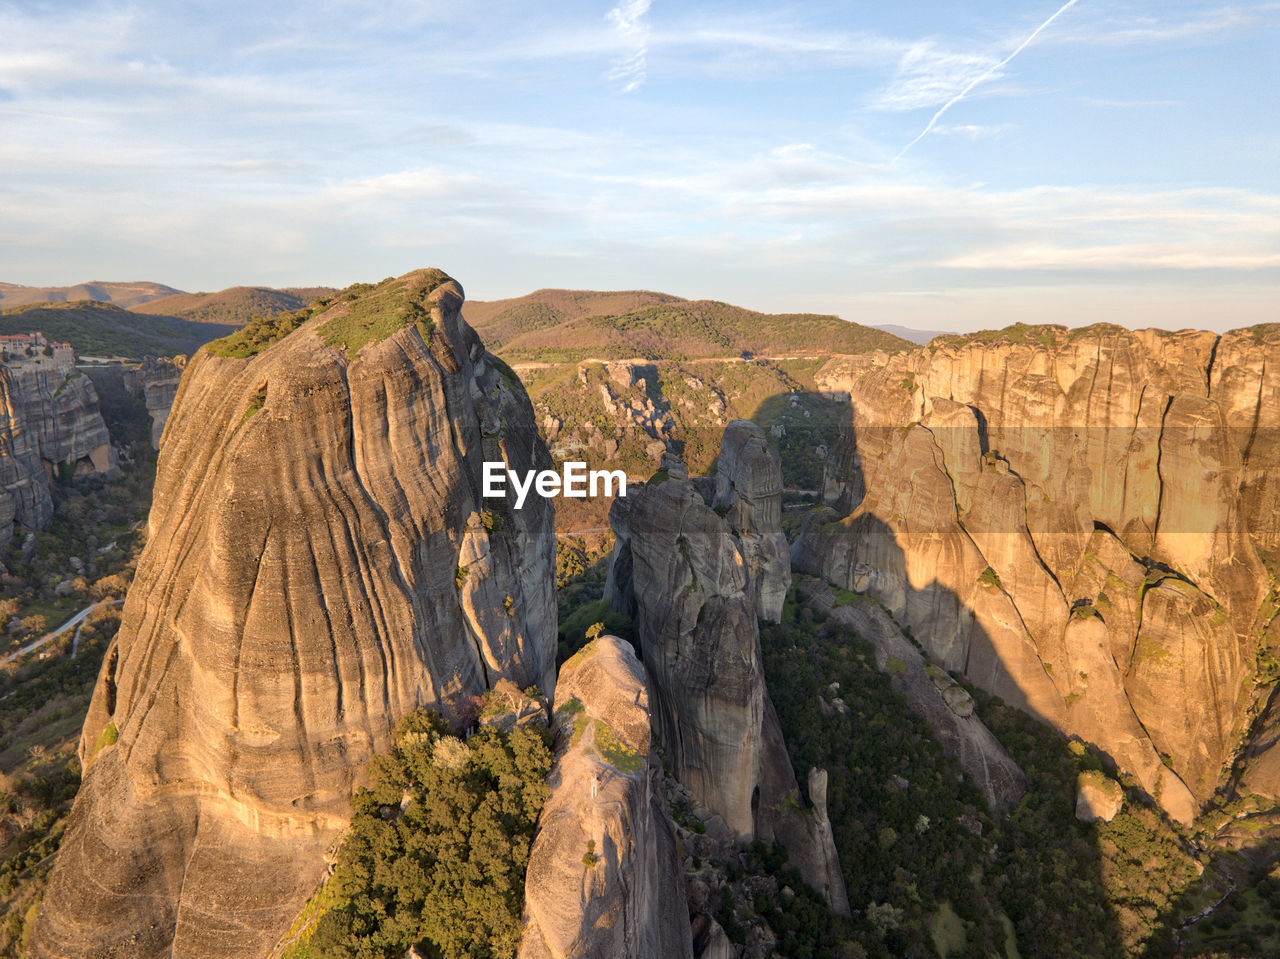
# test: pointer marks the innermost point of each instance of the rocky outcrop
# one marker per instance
(319, 562)
(49, 420)
(749, 496)
(156, 382)
(693, 589)
(930, 693)
(1098, 797)
(1073, 520)
(604, 880)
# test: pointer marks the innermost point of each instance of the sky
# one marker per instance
(937, 165)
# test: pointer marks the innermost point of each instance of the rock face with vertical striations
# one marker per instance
(604, 880)
(156, 382)
(749, 496)
(49, 419)
(1077, 521)
(319, 562)
(693, 581)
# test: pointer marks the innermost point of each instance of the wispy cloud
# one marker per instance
(973, 131)
(630, 24)
(1126, 104)
(1113, 258)
(1119, 30)
(986, 75)
(928, 75)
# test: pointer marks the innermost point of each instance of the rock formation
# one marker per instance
(49, 419)
(693, 581)
(1074, 520)
(604, 880)
(749, 496)
(319, 562)
(156, 381)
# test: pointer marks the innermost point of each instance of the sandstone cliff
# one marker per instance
(319, 562)
(49, 419)
(604, 880)
(1073, 519)
(693, 581)
(156, 382)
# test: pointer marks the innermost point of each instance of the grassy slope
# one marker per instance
(692, 330)
(500, 321)
(101, 329)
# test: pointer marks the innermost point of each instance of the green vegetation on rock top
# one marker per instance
(1024, 333)
(261, 331)
(361, 314)
(367, 314)
(615, 752)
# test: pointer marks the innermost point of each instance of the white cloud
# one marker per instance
(632, 28)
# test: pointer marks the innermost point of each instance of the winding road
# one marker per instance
(77, 621)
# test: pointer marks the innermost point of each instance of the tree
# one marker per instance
(438, 847)
(33, 625)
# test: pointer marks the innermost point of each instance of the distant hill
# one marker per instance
(500, 321)
(911, 333)
(121, 294)
(234, 306)
(567, 326)
(103, 329)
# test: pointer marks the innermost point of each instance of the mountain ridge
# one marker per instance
(235, 305)
(123, 294)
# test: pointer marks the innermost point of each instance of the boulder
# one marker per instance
(1098, 797)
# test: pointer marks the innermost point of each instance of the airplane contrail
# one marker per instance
(967, 90)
